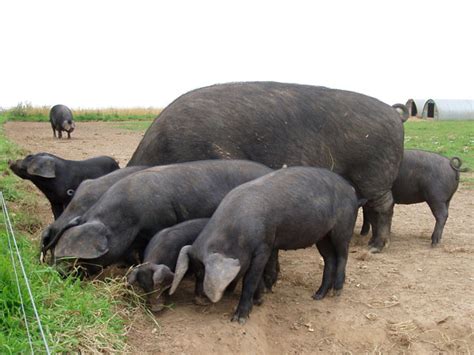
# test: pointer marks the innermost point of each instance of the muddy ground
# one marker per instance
(411, 298)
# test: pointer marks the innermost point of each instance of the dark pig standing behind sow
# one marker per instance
(86, 195)
(351, 134)
(425, 177)
(59, 178)
(138, 206)
(290, 208)
(61, 120)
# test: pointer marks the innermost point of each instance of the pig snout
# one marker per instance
(14, 164)
(156, 302)
(69, 126)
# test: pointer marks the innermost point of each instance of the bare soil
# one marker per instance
(410, 298)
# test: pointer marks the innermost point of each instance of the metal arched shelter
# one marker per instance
(448, 109)
(415, 107)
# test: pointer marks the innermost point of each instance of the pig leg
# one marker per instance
(200, 297)
(342, 252)
(270, 274)
(68, 135)
(380, 215)
(252, 279)
(440, 212)
(230, 289)
(365, 224)
(54, 132)
(258, 295)
(326, 249)
(60, 134)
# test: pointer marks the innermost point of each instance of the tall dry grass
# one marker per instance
(24, 111)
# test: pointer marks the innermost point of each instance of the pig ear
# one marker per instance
(220, 272)
(132, 277)
(162, 275)
(181, 267)
(87, 242)
(43, 166)
(53, 239)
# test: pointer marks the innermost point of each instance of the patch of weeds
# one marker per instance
(77, 316)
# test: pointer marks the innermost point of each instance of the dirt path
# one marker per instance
(409, 298)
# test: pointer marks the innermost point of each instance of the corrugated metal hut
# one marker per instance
(415, 107)
(448, 109)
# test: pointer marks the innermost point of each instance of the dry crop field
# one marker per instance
(410, 298)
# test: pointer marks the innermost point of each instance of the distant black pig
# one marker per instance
(156, 273)
(59, 178)
(425, 177)
(290, 208)
(61, 120)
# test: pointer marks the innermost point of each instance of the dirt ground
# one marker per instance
(410, 298)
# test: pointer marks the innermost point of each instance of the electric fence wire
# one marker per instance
(11, 238)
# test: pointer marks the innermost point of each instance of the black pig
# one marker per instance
(59, 178)
(288, 209)
(156, 273)
(138, 206)
(61, 120)
(425, 177)
(279, 124)
(86, 195)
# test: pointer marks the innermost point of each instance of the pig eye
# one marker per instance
(70, 192)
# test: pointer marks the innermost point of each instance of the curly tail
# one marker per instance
(402, 111)
(455, 163)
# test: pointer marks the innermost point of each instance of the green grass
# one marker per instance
(448, 138)
(77, 316)
(27, 112)
(134, 126)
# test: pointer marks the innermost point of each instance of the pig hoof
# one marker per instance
(337, 293)
(237, 318)
(434, 242)
(202, 301)
(375, 250)
(267, 290)
(318, 296)
(258, 301)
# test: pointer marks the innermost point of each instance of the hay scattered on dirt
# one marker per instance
(403, 333)
(377, 304)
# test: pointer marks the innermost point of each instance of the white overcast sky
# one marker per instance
(104, 53)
